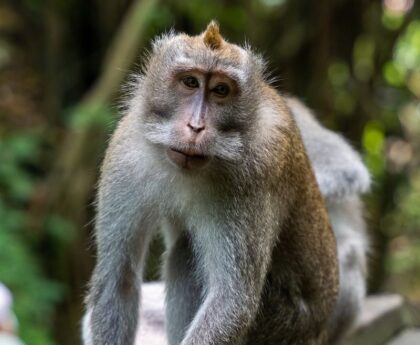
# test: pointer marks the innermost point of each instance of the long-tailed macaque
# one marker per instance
(211, 154)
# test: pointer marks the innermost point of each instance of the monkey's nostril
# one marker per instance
(196, 128)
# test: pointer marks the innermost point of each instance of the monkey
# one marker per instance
(342, 178)
(210, 153)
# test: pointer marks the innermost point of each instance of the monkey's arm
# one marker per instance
(235, 259)
(339, 170)
(122, 236)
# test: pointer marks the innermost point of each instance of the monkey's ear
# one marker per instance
(212, 37)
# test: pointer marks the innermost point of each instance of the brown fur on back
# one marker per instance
(302, 284)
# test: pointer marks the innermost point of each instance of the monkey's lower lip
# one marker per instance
(187, 160)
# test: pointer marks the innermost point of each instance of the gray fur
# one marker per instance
(184, 291)
(352, 244)
(121, 248)
(338, 168)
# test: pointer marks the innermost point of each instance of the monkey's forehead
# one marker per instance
(192, 51)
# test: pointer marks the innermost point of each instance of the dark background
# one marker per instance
(356, 63)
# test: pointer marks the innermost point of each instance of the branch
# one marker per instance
(74, 172)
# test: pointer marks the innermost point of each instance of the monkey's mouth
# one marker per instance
(188, 159)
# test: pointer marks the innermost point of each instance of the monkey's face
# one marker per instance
(203, 97)
(200, 101)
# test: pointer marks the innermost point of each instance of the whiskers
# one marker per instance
(227, 147)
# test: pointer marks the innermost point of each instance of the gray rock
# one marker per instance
(382, 318)
(152, 328)
(9, 339)
(408, 337)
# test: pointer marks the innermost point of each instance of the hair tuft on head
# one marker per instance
(212, 37)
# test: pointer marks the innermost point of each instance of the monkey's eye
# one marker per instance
(190, 82)
(221, 90)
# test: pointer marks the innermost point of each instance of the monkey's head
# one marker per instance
(199, 96)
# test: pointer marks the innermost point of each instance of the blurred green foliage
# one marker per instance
(402, 72)
(21, 266)
(357, 63)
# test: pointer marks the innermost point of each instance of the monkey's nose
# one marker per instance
(197, 128)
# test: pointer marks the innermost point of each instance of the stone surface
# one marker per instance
(383, 320)
(152, 330)
(408, 337)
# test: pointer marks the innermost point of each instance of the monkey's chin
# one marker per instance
(186, 160)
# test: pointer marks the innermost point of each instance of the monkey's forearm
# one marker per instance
(236, 276)
(122, 235)
(114, 297)
(114, 314)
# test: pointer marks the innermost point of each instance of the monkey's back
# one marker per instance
(301, 285)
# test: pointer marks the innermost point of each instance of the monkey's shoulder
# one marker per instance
(127, 155)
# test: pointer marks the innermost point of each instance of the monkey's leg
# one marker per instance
(183, 289)
(285, 317)
(352, 289)
(346, 218)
